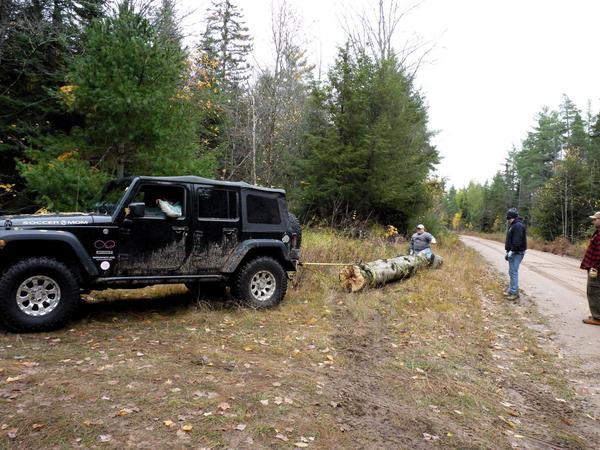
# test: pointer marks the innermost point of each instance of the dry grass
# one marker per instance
(329, 369)
(560, 246)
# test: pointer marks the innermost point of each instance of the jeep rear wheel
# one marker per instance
(37, 294)
(261, 283)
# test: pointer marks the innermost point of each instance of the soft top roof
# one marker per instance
(201, 180)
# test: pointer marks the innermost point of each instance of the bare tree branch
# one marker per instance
(375, 32)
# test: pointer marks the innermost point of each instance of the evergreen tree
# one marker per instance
(129, 86)
(371, 153)
(130, 83)
(224, 51)
(563, 207)
(37, 39)
(226, 41)
(535, 162)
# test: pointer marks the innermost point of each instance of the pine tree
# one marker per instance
(129, 87)
(223, 57)
(370, 154)
(226, 41)
(129, 84)
(37, 40)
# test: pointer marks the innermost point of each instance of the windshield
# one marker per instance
(110, 196)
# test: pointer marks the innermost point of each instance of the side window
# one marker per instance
(161, 201)
(262, 209)
(217, 204)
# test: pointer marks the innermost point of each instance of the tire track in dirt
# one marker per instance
(364, 391)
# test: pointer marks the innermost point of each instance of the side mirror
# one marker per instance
(137, 209)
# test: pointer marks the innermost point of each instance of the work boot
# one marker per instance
(591, 321)
(512, 297)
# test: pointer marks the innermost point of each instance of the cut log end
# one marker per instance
(352, 279)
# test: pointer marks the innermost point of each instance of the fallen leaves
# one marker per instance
(507, 421)
(105, 438)
(13, 379)
(126, 411)
(431, 437)
(223, 406)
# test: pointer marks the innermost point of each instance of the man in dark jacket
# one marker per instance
(515, 246)
(591, 263)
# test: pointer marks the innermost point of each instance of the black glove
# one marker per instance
(506, 256)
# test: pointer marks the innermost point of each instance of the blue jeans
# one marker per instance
(514, 261)
(426, 251)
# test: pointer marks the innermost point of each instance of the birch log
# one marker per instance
(377, 273)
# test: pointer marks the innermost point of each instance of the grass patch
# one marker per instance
(437, 355)
(560, 246)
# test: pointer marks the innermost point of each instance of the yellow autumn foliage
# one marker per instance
(66, 155)
(68, 93)
(456, 220)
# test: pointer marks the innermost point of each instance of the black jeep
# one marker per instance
(144, 231)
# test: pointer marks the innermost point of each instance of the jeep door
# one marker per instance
(156, 244)
(217, 223)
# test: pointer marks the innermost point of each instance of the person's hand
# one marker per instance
(506, 256)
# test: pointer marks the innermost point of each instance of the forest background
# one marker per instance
(91, 90)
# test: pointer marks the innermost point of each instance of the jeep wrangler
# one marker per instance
(144, 231)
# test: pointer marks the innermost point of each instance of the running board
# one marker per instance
(158, 279)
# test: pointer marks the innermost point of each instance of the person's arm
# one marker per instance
(509, 239)
(173, 211)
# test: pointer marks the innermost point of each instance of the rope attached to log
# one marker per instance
(322, 264)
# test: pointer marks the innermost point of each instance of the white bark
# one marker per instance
(378, 273)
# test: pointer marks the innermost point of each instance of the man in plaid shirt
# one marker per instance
(591, 263)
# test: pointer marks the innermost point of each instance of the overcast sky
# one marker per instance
(494, 66)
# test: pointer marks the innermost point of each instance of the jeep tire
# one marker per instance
(37, 294)
(260, 283)
(296, 228)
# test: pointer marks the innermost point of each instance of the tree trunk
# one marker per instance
(380, 272)
(121, 160)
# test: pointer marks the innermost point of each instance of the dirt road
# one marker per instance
(557, 287)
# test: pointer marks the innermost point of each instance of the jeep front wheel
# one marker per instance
(37, 294)
(261, 283)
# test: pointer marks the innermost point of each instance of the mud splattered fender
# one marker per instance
(250, 245)
(14, 236)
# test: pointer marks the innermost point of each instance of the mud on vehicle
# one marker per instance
(142, 231)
